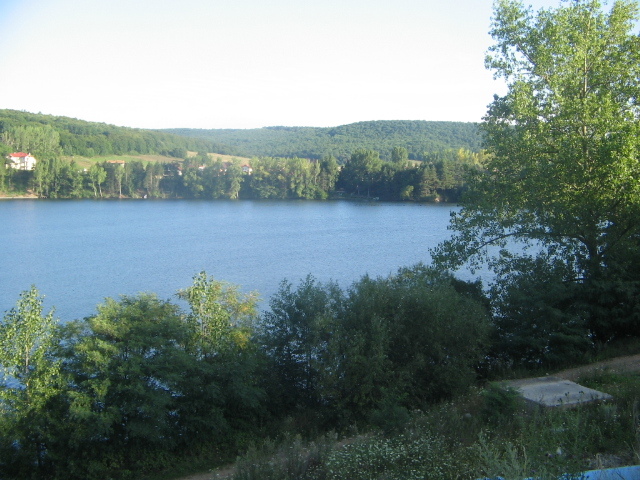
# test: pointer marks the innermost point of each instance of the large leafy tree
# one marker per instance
(360, 171)
(295, 334)
(564, 140)
(126, 366)
(220, 395)
(30, 383)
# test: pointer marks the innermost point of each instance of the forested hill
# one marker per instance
(78, 137)
(417, 136)
(70, 136)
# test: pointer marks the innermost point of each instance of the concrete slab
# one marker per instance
(556, 392)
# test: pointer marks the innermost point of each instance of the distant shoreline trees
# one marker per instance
(441, 178)
(412, 160)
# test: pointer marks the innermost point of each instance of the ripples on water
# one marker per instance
(79, 252)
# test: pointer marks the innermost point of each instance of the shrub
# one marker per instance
(501, 403)
(404, 457)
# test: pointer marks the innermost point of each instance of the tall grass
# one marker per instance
(466, 439)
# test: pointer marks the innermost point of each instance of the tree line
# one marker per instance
(365, 175)
(125, 391)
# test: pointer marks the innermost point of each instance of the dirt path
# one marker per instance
(629, 363)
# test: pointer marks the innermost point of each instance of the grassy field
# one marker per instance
(224, 158)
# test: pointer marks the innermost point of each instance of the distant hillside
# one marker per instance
(69, 136)
(22, 130)
(417, 136)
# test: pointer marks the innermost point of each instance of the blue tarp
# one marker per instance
(621, 473)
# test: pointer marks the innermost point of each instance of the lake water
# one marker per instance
(79, 252)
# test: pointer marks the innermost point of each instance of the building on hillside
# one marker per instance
(247, 170)
(117, 162)
(21, 161)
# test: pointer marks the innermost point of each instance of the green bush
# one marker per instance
(407, 340)
(500, 404)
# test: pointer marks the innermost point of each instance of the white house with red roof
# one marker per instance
(21, 161)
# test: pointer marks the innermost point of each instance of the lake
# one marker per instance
(77, 252)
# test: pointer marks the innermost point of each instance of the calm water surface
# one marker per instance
(79, 252)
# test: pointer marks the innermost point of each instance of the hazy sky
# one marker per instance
(247, 63)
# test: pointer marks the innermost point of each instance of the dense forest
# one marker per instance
(420, 138)
(59, 142)
(70, 136)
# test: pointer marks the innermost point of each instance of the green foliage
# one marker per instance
(221, 393)
(361, 171)
(403, 457)
(562, 171)
(26, 339)
(500, 404)
(295, 334)
(48, 134)
(288, 176)
(412, 454)
(390, 418)
(30, 383)
(121, 392)
(417, 137)
(293, 178)
(221, 317)
(124, 392)
(42, 141)
(454, 440)
(401, 341)
(418, 337)
(556, 168)
(539, 318)
(128, 367)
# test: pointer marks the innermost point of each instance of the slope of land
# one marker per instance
(417, 136)
(625, 364)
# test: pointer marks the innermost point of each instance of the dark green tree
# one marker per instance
(360, 172)
(294, 333)
(412, 338)
(127, 364)
(399, 155)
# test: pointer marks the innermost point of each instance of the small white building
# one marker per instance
(21, 161)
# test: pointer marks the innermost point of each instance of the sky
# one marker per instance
(247, 63)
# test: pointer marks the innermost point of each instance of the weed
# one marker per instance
(501, 403)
